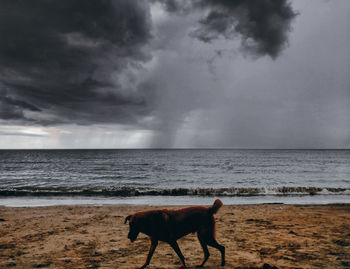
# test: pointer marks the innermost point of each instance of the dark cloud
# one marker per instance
(5, 99)
(180, 76)
(77, 61)
(64, 58)
(262, 25)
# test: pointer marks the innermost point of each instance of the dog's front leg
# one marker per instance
(175, 246)
(152, 248)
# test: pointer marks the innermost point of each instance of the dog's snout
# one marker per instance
(132, 236)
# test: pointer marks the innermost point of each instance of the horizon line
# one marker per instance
(209, 148)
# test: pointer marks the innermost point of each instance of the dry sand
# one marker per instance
(284, 236)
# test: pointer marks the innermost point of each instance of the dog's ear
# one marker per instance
(165, 217)
(127, 218)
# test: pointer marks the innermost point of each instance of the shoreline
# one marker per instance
(37, 201)
(92, 236)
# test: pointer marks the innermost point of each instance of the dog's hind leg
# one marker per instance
(152, 248)
(212, 242)
(175, 246)
(205, 249)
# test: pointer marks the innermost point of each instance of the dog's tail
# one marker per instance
(215, 207)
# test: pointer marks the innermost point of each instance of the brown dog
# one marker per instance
(170, 225)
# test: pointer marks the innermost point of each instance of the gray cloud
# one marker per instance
(3, 133)
(66, 61)
(104, 61)
(208, 96)
(63, 58)
(262, 25)
(181, 86)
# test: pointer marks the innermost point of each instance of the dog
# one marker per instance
(170, 225)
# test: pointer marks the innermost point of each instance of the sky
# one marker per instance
(174, 74)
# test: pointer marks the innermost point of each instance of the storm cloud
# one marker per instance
(263, 26)
(75, 61)
(60, 61)
(176, 73)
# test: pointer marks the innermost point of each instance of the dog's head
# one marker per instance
(134, 227)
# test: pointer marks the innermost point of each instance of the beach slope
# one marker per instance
(285, 236)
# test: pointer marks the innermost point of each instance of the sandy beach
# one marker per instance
(284, 236)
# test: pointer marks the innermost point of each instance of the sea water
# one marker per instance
(173, 176)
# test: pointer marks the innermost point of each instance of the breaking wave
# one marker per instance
(133, 191)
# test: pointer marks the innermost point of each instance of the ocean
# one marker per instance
(173, 176)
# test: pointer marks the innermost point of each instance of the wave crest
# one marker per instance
(132, 191)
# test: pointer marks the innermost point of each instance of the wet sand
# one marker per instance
(284, 236)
